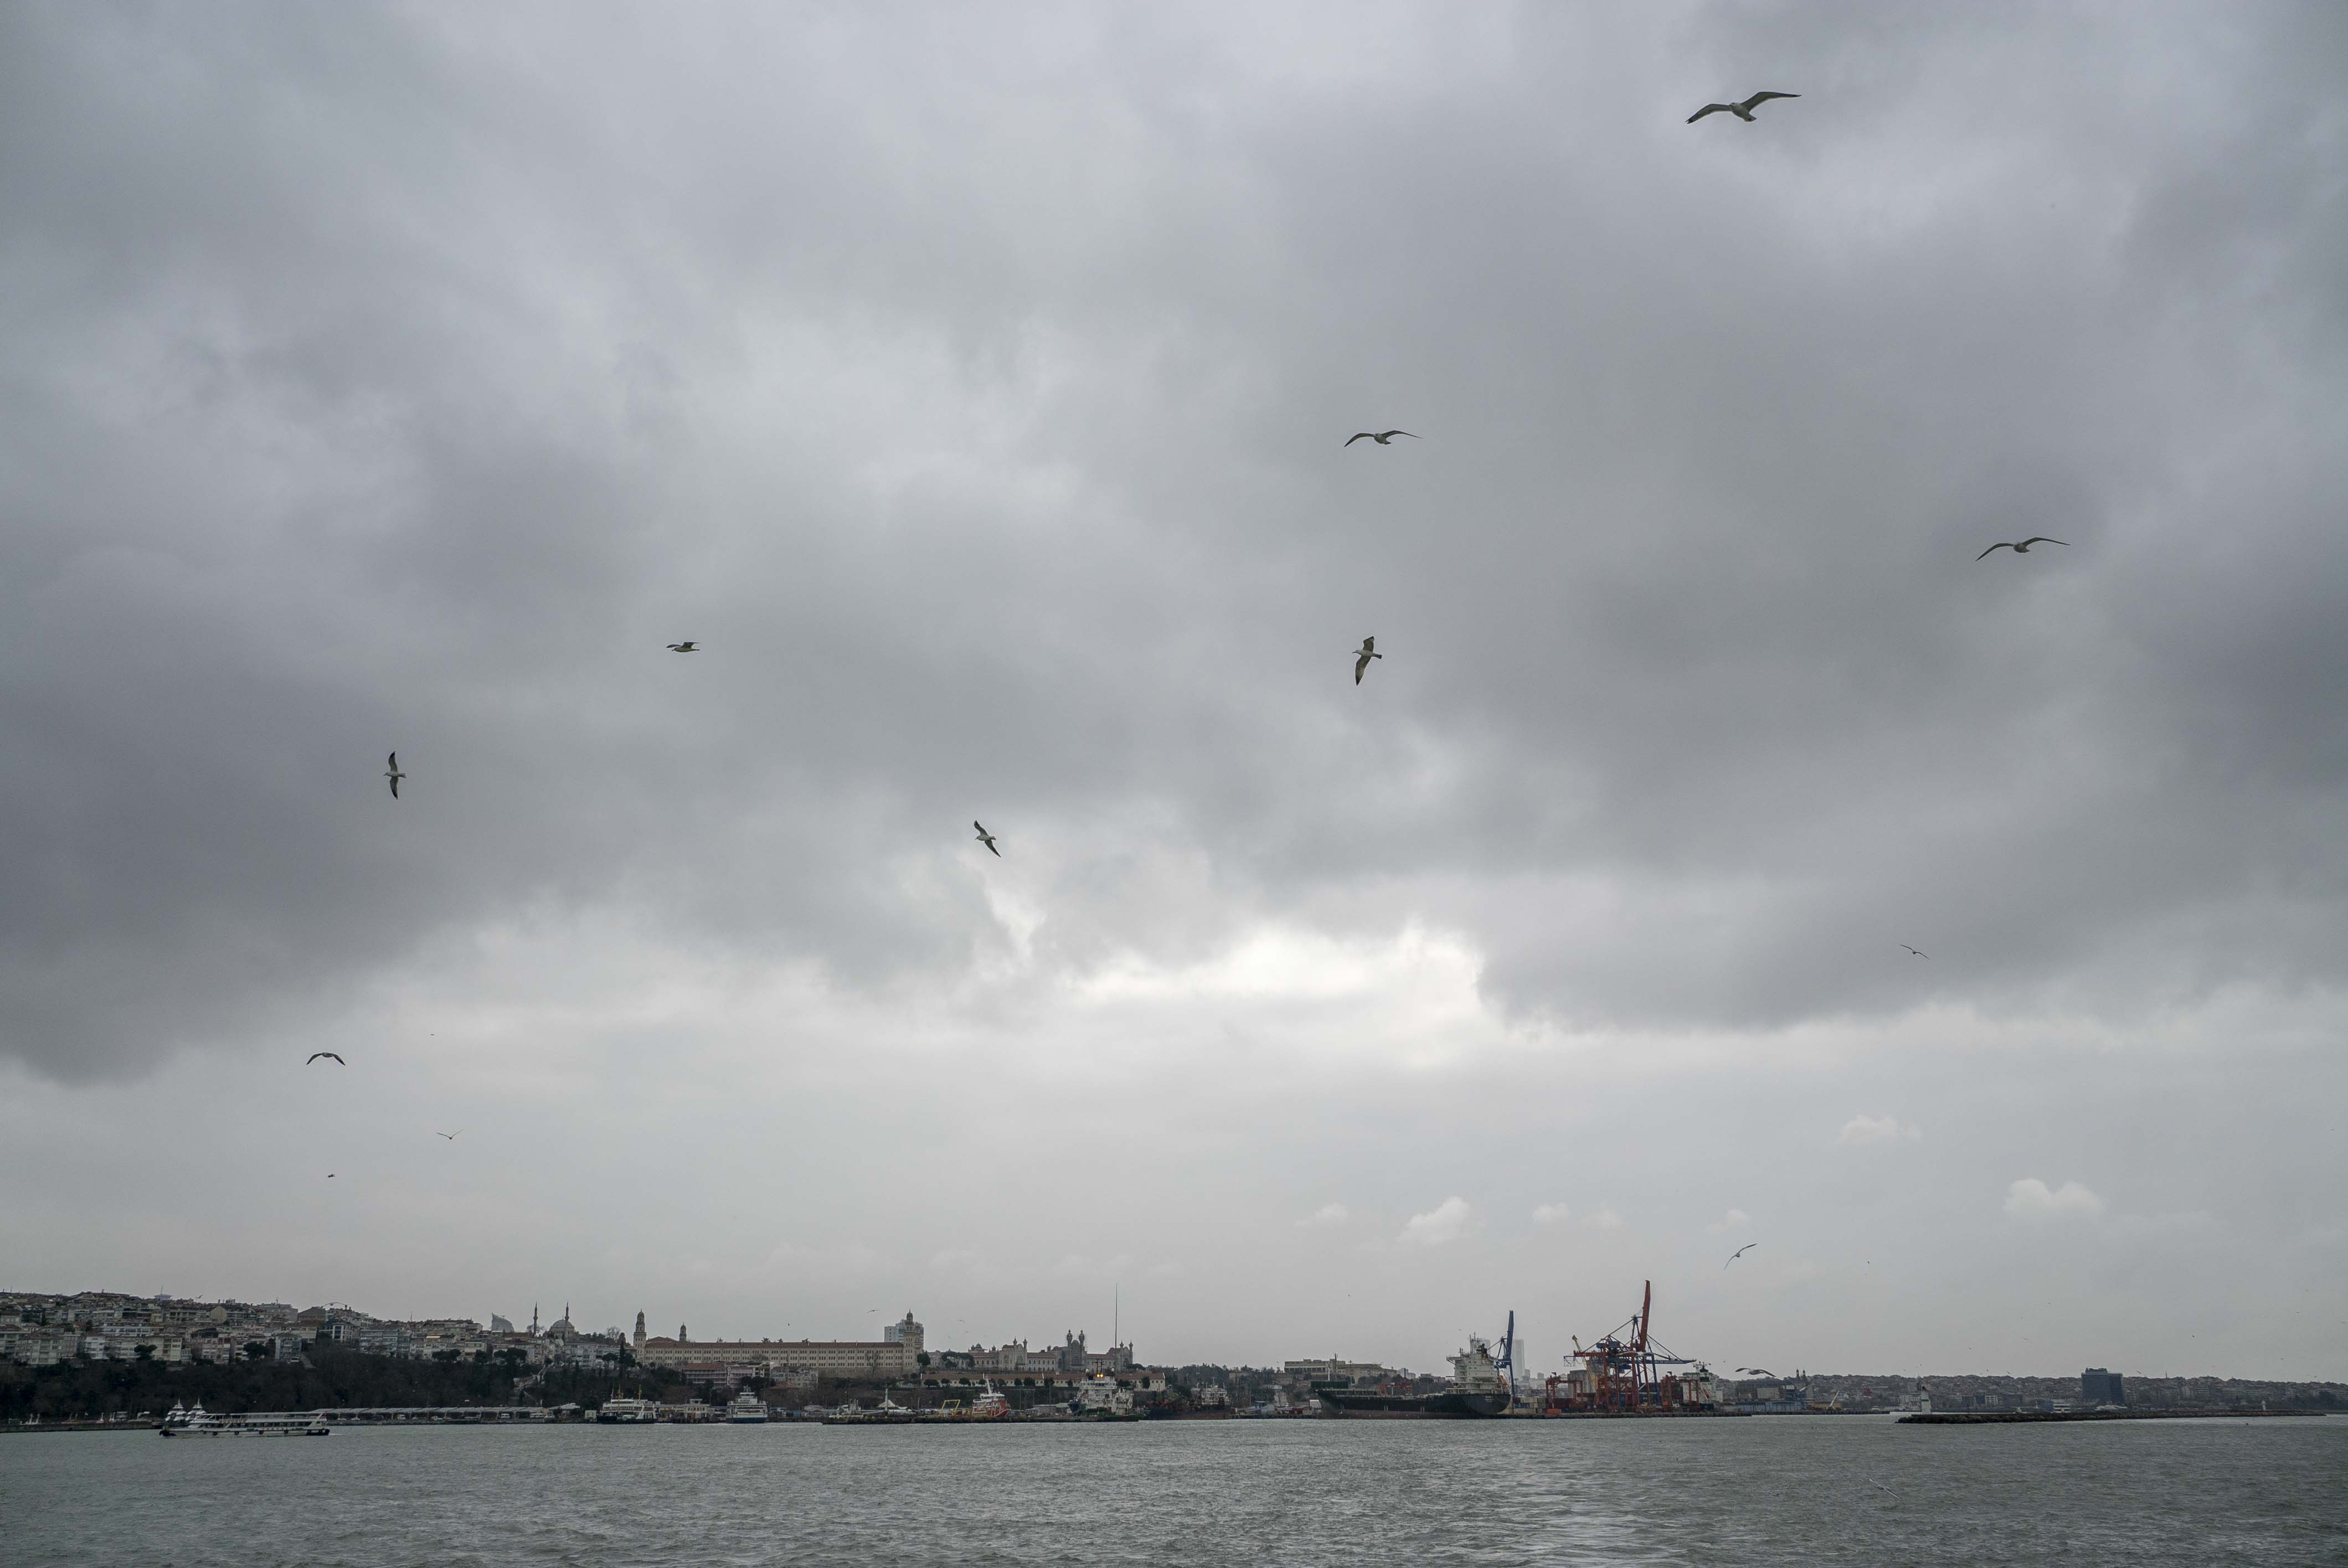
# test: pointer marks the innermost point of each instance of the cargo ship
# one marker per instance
(1482, 1384)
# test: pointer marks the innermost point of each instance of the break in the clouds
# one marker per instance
(2032, 1199)
(1866, 1129)
(972, 388)
(1446, 1222)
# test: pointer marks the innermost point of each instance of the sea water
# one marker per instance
(1793, 1490)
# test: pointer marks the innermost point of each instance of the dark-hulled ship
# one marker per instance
(1482, 1384)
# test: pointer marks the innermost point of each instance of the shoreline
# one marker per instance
(2017, 1418)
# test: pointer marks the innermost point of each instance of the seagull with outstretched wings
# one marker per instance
(986, 838)
(685, 648)
(329, 1055)
(2022, 549)
(1740, 1252)
(1362, 655)
(1918, 951)
(394, 774)
(1742, 111)
(1383, 437)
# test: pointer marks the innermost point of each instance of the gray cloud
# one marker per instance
(385, 383)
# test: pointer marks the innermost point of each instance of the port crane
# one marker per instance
(1624, 1372)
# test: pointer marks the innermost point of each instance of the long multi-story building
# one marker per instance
(898, 1355)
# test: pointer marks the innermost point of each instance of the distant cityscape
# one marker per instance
(49, 1330)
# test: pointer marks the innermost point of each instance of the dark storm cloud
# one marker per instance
(972, 391)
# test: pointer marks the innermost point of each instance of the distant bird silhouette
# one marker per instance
(2024, 547)
(1368, 650)
(1383, 437)
(1740, 1252)
(1758, 1371)
(1742, 111)
(1918, 951)
(987, 839)
(330, 1175)
(329, 1055)
(450, 1136)
(685, 648)
(394, 775)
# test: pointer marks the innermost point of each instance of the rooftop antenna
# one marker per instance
(1116, 1314)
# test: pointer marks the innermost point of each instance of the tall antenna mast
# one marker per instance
(1116, 1314)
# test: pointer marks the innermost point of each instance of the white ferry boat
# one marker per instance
(1102, 1395)
(181, 1422)
(746, 1410)
(627, 1412)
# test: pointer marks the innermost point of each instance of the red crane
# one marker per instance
(1622, 1374)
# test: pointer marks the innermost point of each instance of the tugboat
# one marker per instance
(1482, 1384)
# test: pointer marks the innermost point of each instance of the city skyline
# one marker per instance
(969, 393)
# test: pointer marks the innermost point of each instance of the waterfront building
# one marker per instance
(863, 1359)
(1355, 1374)
(1045, 1382)
(905, 1332)
(2098, 1387)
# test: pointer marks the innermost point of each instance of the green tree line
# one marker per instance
(323, 1378)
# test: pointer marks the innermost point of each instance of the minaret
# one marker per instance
(533, 1319)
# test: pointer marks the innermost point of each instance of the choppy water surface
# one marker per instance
(1794, 1490)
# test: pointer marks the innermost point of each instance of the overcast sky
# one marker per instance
(970, 382)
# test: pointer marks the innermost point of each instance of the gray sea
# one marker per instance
(1796, 1490)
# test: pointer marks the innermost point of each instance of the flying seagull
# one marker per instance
(1740, 1252)
(1758, 1371)
(1918, 951)
(1742, 111)
(685, 648)
(450, 1136)
(1383, 437)
(2024, 547)
(329, 1055)
(1369, 650)
(394, 775)
(987, 839)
